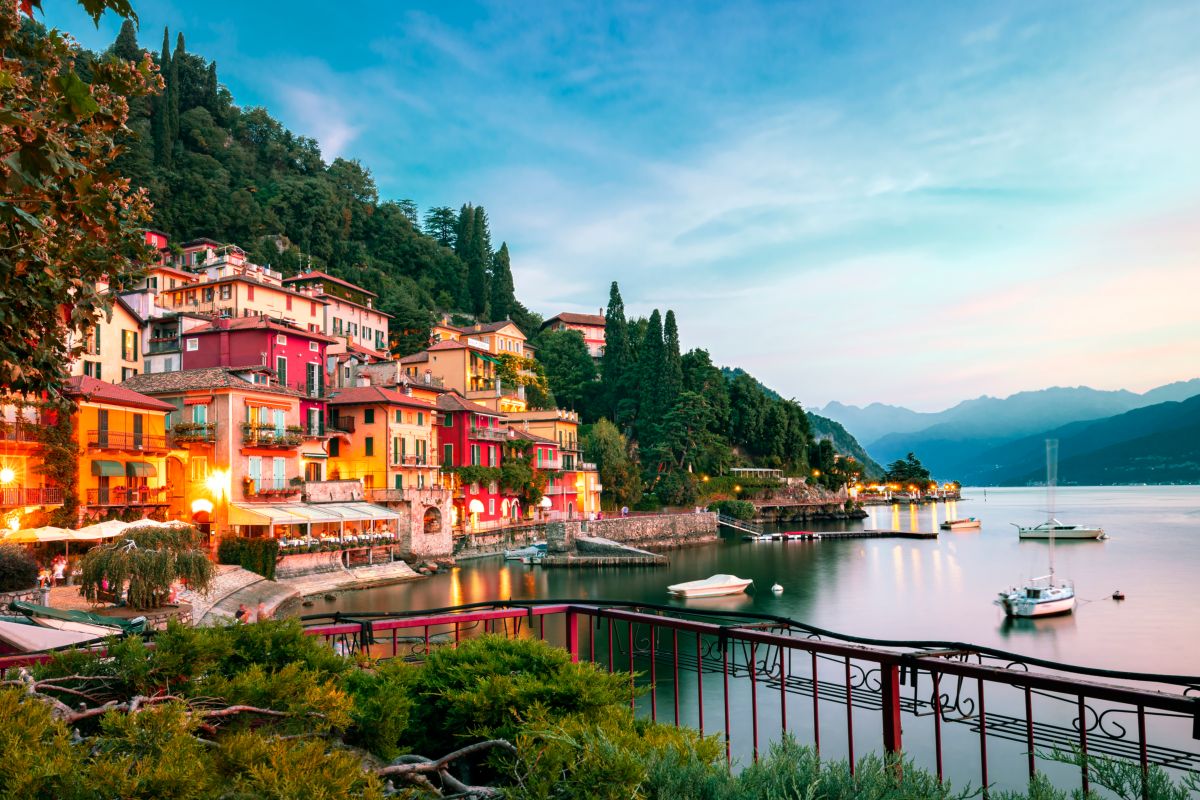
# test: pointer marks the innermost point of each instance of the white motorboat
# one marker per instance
(960, 524)
(716, 586)
(520, 553)
(18, 637)
(1041, 597)
(1053, 529)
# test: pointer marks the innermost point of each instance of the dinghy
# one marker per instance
(716, 586)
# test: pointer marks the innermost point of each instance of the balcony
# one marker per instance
(586, 466)
(16, 496)
(432, 494)
(127, 496)
(22, 431)
(271, 487)
(269, 436)
(162, 344)
(341, 424)
(194, 433)
(130, 442)
(315, 432)
(549, 463)
(414, 461)
(554, 491)
(489, 434)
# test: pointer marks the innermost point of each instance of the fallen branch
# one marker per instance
(417, 768)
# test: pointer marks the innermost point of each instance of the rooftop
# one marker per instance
(452, 401)
(375, 395)
(481, 327)
(185, 380)
(325, 276)
(88, 389)
(517, 433)
(571, 318)
(258, 323)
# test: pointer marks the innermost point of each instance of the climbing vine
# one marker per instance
(515, 370)
(60, 459)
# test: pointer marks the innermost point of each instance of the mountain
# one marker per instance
(952, 442)
(1155, 444)
(844, 443)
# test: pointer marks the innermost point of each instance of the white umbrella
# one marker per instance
(47, 533)
(153, 523)
(102, 530)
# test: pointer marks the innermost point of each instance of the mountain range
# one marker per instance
(988, 440)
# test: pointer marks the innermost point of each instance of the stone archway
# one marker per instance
(432, 520)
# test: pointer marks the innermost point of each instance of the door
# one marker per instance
(281, 369)
(103, 491)
(279, 473)
(314, 380)
(254, 471)
(312, 471)
(138, 422)
(102, 426)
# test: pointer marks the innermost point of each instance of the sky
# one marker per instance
(911, 203)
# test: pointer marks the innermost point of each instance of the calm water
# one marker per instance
(912, 589)
(937, 589)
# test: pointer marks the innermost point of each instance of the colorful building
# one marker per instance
(578, 486)
(112, 348)
(590, 326)
(471, 371)
(491, 337)
(25, 489)
(350, 314)
(123, 449)
(472, 435)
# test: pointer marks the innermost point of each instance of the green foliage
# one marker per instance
(604, 446)
(383, 702)
(907, 470)
(18, 570)
(37, 760)
(569, 367)
(475, 474)
(150, 559)
(738, 509)
(256, 555)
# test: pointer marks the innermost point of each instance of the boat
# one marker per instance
(79, 621)
(1053, 529)
(798, 536)
(758, 537)
(777, 589)
(537, 548)
(29, 637)
(960, 524)
(1043, 597)
(534, 559)
(714, 586)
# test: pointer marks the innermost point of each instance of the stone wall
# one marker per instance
(34, 595)
(652, 532)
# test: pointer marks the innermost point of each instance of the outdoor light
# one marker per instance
(14, 524)
(217, 483)
(7, 475)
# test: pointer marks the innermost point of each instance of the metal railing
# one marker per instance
(837, 692)
(489, 434)
(23, 431)
(255, 487)
(127, 440)
(13, 496)
(127, 496)
(343, 424)
(257, 435)
(193, 432)
(162, 344)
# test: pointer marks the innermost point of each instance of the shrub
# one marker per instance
(738, 509)
(18, 570)
(256, 555)
(150, 559)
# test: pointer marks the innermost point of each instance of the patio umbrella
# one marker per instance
(47, 533)
(102, 530)
(153, 523)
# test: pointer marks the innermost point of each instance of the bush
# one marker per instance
(256, 555)
(18, 570)
(738, 509)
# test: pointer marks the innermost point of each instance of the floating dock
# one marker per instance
(879, 534)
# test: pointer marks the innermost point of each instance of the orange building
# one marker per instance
(24, 487)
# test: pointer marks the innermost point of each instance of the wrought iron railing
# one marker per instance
(22, 431)
(127, 496)
(13, 496)
(193, 432)
(266, 435)
(758, 676)
(489, 434)
(127, 440)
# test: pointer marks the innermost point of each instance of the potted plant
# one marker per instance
(248, 486)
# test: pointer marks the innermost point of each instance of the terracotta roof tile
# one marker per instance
(87, 388)
(369, 395)
(258, 323)
(204, 378)
(454, 402)
(576, 319)
(325, 276)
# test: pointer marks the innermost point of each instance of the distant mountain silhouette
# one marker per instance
(952, 443)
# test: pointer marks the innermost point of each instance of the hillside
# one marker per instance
(1155, 444)
(843, 442)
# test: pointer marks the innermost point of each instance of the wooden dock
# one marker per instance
(572, 560)
(879, 534)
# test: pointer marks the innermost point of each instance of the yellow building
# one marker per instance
(112, 349)
(122, 449)
(469, 370)
(496, 338)
(386, 440)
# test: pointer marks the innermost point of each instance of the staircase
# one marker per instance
(740, 525)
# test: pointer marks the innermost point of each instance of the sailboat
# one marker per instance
(1042, 596)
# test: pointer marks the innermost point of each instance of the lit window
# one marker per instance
(192, 344)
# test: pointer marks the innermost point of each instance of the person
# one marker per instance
(242, 614)
(261, 613)
(624, 511)
(43, 578)
(59, 564)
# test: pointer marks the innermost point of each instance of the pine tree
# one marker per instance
(672, 377)
(441, 225)
(160, 126)
(211, 91)
(502, 291)
(126, 45)
(614, 365)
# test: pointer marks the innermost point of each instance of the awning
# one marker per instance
(486, 357)
(197, 401)
(141, 469)
(305, 513)
(111, 469)
(356, 511)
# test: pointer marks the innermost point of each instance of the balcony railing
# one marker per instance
(261, 487)
(259, 435)
(549, 463)
(489, 434)
(127, 496)
(194, 433)
(343, 424)
(414, 461)
(585, 466)
(554, 491)
(14, 496)
(162, 344)
(127, 440)
(23, 431)
(315, 432)
(433, 493)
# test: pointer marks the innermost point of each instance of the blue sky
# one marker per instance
(913, 203)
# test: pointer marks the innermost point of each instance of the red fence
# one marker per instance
(756, 677)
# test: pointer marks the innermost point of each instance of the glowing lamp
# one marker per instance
(200, 505)
(217, 483)
(7, 475)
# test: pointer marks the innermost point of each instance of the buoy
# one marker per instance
(1118, 595)
(777, 589)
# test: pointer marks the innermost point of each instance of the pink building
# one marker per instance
(591, 326)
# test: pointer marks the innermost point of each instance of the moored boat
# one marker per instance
(1041, 597)
(521, 553)
(21, 637)
(960, 524)
(1053, 529)
(79, 621)
(714, 586)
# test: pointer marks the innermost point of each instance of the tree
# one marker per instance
(409, 209)
(150, 559)
(570, 369)
(67, 220)
(501, 282)
(672, 376)
(605, 447)
(126, 44)
(161, 115)
(617, 360)
(908, 471)
(651, 393)
(440, 225)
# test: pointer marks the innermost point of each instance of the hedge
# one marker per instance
(738, 509)
(256, 555)
(18, 570)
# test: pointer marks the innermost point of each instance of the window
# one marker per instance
(447, 455)
(420, 480)
(254, 469)
(226, 291)
(199, 466)
(399, 481)
(92, 369)
(474, 455)
(129, 345)
(281, 370)
(280, 339)
(337, 325)
(369, 444)
(366, 333)
(491, 451)
(172, 283)
(492, 487)
(200, 414)
(420, 418)
(279, 471)
(491, 505)
(397, 455)
(191, 298)
(128, 372)
(152, 283)
(250, 292)
(447, 420)
(312, 309)
(399, 416)
(313, 348)
(192, 344)
(335, 447)
(289, 302)
(369, 416)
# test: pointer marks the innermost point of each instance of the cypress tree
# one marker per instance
(614, 365)
(176, 88)
(650, 389)
(479, 258)
(126, 45)
(160, 127)
(503, 294)
(672, 377)
(464, 230)
(211, 100)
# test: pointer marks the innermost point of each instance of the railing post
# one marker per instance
(890, 687)
(573, 634)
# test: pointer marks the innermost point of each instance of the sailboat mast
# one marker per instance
(1051, 482)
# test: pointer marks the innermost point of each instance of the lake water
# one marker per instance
(922, 589)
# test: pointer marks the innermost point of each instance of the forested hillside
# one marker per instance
(237, 175)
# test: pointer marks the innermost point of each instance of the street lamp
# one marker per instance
(7, 475)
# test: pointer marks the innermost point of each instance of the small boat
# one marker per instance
(29, 637)
(777, 589)
(758, 537)
(534, 559)
(1053, 529)
(960, 524)
(1041, 597)
(79, 621)
(798, 536)
(715, 586)
(521, 553)
(1118, 595)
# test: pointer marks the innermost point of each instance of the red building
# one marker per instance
(296, 356)
(558, 498)
(471, 435)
